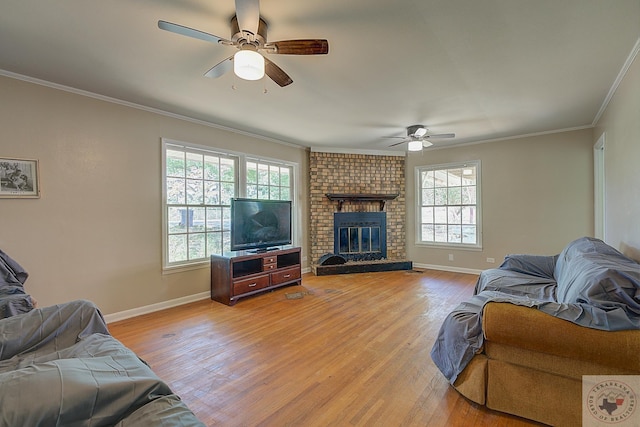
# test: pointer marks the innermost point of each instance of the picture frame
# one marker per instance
(19, 178)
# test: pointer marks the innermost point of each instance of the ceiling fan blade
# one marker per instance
(442, 135)
(248, 14)
(401, 142)
(220, 68)
(276, 74)
(190, 32)
(299, 47)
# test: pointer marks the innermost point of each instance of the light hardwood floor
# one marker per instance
(353, 351)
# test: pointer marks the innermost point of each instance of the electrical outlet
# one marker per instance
(491, 260)
(450, 257)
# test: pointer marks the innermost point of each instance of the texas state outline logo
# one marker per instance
(610, 400)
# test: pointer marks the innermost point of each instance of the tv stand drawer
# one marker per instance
(242, 286)
(285, 275)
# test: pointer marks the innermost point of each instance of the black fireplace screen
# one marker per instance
(360, 235)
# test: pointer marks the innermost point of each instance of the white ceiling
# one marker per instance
(484, 69)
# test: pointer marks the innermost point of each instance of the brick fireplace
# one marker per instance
(339, 173)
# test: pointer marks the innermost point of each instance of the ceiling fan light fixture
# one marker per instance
(248, 65)
(415, 145)
(420, 132)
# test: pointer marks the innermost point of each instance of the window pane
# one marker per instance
(211, 168)
(177, 247)
(175, 163)
(197, 221)
(252, 173)
(440, 215)
(469, 176)
(263, 174)
(428, 196)
(274, 175)
(194, 192)
(440, 196)
(285, 179)
(454, 177)
(454, 214)
(177, 218)
(263, 192)
(469, 234)
(454, 234)
(469, 215)
(227, 170)
(211, 193)
(469, 195)
(214, 219)
(285, 193)
(226, 219)
(228, 192)
(440, 178)
(454, 196)
(214, 244)
(176, 191)
(274, 193)
(427, 232)
(427, 215)
(252, 191)
(197, 246)
(195, 166)
(427, 179)
(440, 233)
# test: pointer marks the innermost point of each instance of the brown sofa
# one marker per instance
(532, 363)
(537, 324)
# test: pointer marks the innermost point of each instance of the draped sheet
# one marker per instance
(589, 284)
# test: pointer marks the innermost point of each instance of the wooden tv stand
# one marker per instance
(243, 273)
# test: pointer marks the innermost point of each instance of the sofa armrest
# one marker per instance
(534, 330)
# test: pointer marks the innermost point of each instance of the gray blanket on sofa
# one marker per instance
(13, 298)
(589, 284)
(60, 367)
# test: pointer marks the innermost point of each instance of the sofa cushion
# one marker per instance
(591, 272)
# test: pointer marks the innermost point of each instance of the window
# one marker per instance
(448, 208)
(198, 185)
(268, 180)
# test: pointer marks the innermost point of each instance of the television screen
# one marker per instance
(260, 224)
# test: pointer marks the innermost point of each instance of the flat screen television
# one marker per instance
(260, 224)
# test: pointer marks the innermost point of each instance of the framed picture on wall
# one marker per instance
(19, 178)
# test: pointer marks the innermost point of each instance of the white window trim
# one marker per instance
(418, 205)
(241, 187)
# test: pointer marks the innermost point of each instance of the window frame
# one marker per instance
(419, 204)
(240, 160)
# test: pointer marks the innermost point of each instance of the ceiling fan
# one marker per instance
(249, 36)
(418, 138)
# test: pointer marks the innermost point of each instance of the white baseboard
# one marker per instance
(448, 268)
(122, 315)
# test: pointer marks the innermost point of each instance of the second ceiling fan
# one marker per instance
(249, 36)
(418, 138)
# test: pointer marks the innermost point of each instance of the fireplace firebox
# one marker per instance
(360, 236)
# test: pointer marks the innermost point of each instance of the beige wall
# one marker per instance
(96, 231)
(537, 196)
(621, 125)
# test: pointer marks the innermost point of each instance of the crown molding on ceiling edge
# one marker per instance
(614, 87)
(140, 107)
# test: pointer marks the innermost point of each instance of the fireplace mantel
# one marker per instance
(360, 197)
